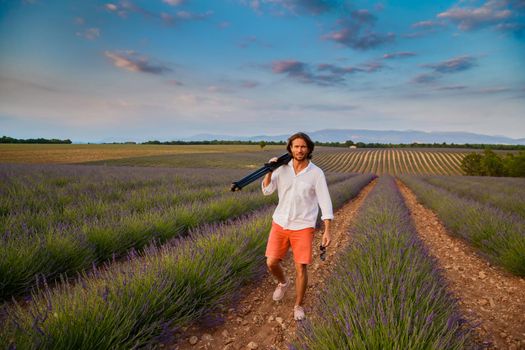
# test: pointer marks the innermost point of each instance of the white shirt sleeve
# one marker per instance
(323, 196)
(272, 186)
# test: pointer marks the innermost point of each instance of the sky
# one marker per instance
(137, 70)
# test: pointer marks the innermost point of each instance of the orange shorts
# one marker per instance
(280, 240)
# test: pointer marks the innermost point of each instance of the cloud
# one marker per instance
(111, 7)
(190, 16)
(425, 78)
(517, 28)
(218, 89)
(249, 84)
(339, 70)
(478, 91)
(419, 34)
(124, 7)
(324, 74)
(328, 107)
(173, 2)
(495, 90)
(89, 33)
(132, 61)
(253, 40)
(224, 24)
(451, 88)
(302, 72)
(298, 7)
(292, 68)
(174, 82)
(14, 84)
(453, 65)
(427, 24)
(389, 56)
(424, 28)
(471, 18)
(80, 21)
(313, 6)
(357, 32)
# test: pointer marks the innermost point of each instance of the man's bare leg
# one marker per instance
(301, 281)
(275, 268)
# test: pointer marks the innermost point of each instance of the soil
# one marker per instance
(490, 298)
(258, 322)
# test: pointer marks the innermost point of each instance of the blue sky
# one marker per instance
(167, 69)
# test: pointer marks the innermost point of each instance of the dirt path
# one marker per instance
(491, 298)
(261, 323)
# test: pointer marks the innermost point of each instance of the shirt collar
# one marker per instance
(308, 167)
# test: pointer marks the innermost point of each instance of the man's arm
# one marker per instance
(325, 202)
(267, 186)
(267, 179)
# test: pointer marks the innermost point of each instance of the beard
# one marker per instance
(300, 157)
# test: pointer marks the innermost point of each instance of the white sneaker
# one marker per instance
(298, 313)
(278, 294)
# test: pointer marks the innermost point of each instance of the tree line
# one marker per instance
(7, 139)
(346, 144)
(349, 143)
(262, 144)
(491, 164)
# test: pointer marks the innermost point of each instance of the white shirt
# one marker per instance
(300, 196)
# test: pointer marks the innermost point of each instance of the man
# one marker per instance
(302, 189)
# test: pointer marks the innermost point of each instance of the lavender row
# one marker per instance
(496, 234)
(504, 193)
(138, 303)
(386, 292)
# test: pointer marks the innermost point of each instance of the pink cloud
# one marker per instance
(131, 61)
(388, 56)
(468, 18)
(427, 24)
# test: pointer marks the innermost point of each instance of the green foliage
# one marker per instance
(262, 144)
(471, 164)
(491, 164)
(515, 165)
(7, 139)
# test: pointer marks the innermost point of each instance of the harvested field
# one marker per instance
(69, 154)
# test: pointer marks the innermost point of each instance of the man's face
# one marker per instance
(299, 149)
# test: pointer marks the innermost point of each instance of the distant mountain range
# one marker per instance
(375, 136)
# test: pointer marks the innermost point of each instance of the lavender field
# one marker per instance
(386, 292)
(131, 303)
(507, 194)
(487, 213)
(119, 257)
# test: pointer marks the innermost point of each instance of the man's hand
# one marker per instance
(268, 177)
(326, 239)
